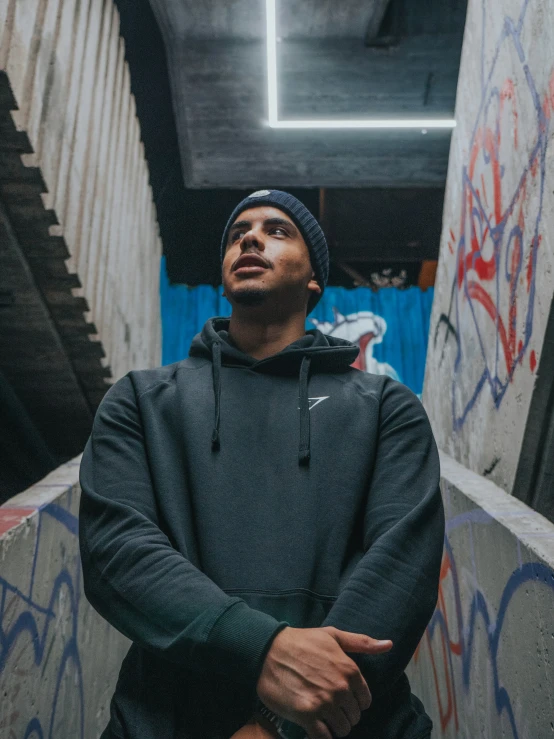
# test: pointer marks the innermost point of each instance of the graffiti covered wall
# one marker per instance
(59, 660)
(495, 281)
(484, 667)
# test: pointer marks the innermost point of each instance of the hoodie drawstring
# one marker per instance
(304, 446)
(216, 371)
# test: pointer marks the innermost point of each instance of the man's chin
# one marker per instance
(248, 296)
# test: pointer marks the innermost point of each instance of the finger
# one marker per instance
(336, 720)
(352, 642)
(367, 645)
(378, 646)
(351, 708)
(360, 691)
(318, 730)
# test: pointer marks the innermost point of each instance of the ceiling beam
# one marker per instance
(220, 108)
(376, 20)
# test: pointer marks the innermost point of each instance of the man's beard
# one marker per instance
(250, 296)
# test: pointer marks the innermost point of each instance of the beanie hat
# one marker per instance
(303, 219)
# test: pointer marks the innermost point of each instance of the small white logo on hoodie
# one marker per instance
(312, 402)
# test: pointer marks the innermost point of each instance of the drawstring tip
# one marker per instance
(304, 456)
(215, 439)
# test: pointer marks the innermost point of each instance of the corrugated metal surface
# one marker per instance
(391, 326)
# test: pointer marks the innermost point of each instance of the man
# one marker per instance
(262, 519)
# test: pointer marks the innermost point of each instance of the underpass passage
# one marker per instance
(128, 131)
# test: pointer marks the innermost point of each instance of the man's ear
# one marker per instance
(317, 284)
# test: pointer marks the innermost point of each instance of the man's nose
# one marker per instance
(252, 238)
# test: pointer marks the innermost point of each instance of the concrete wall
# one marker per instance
(79, 240)
(59, 660)
(495, 280)
(484, 668)
(75, 125)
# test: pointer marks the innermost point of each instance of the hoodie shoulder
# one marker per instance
(126, 391)
(383, 387)
(146, 379)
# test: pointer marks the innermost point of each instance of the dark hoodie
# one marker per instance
(224, 498)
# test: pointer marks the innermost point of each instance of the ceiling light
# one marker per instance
(272, 95)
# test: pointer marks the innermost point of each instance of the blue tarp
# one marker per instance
(391, 324)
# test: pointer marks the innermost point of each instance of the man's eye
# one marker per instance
(237, 235)
(282, 230)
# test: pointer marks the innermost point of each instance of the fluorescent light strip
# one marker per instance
(271, 62)
(272, 95)
(424, 123)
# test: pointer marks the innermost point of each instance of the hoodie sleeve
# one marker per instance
(393, 589)
(135, 578)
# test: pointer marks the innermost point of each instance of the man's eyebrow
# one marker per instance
(241, 224)
(279, 222)
(267, 222)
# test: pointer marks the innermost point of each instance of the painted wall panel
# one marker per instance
(495, 280)
(59, 660)
(484, 667)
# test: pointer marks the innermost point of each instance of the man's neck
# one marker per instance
(261, 339)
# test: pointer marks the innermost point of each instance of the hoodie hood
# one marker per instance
(313, 352)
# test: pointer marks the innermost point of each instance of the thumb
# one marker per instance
(350, 641)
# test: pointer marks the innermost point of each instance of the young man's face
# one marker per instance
(267, 261)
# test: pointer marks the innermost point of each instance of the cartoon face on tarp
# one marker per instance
(364, 328)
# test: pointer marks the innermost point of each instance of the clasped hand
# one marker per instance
(308, 678)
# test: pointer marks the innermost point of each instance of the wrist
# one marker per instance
(268, 719)
(266, 727)
(277, 725)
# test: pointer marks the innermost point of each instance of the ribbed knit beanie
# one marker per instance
(303, 219)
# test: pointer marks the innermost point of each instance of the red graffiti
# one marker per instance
(498, 242)
(508, 93)
(448, 712)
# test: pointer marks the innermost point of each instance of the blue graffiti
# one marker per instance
(27, 623)
(489, 290)
(530, 572)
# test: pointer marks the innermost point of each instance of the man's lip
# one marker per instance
(250, 261)
(251, 268)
